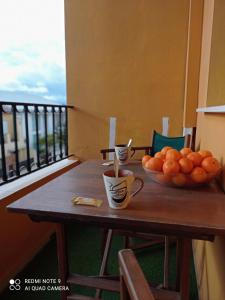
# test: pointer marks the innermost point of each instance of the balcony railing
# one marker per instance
(32, 136)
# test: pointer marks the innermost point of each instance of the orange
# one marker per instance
(186, 165)
(163, 178)
(210, 176)
(205, 153)
(173, 154)
(199, 175)
(171, 167)
(145, 158)
(154, 164)
(211, 164)
(165, 149)
(189, 181)
(179, 179)
(195, 157)
(160, 155)
(185, 151)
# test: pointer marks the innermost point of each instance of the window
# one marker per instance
(32, 64)
(32, 54)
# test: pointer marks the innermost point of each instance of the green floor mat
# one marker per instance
(84, 258)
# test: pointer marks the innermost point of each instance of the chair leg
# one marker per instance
(105, 257)
(127, 242)
(103, 241)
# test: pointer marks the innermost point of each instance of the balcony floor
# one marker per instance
(84, 248)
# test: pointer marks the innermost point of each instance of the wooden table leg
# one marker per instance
(62, 257)
(185, 256)
(178, 261)
(166, 263)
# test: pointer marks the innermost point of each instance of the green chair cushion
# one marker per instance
(159, 141)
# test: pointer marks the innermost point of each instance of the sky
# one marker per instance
(32, 51)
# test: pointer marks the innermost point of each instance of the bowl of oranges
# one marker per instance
(184, 168)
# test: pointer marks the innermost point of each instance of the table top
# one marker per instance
(195, 213)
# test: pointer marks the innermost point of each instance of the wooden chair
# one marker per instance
(145, 149)
(158, 142)
(133, 284)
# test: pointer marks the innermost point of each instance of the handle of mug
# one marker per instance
(140, 187)
(133, 152)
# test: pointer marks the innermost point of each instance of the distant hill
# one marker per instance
(24, 97)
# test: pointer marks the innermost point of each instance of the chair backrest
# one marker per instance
(133, 284)
(145, 149)
(159, 141)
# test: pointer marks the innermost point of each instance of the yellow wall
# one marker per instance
(20, 238)
(210, 258)
(125, 59)
(193, 63)
(211, 272)
(138, 60)
(216, 91)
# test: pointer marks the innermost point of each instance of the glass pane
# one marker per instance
(0, 160)
(32, 138)
(10, 158)
(41, 131)
(50, 135)
(21, 138)
(64, 136)
(57, 134)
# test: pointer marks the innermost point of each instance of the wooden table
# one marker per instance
(185, 213)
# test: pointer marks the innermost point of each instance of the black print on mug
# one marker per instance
(123, 154)
(118, 191)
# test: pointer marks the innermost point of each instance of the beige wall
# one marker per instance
(125, 59)
(210, 258)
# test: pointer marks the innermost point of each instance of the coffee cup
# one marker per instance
(119, 189)
(123, 153)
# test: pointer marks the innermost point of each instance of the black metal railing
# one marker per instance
(32, 136)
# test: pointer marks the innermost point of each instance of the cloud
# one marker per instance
(20, 87)
(32, 57)
(51, 98)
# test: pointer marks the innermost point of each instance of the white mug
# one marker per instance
(118, 189)
(123, 153)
